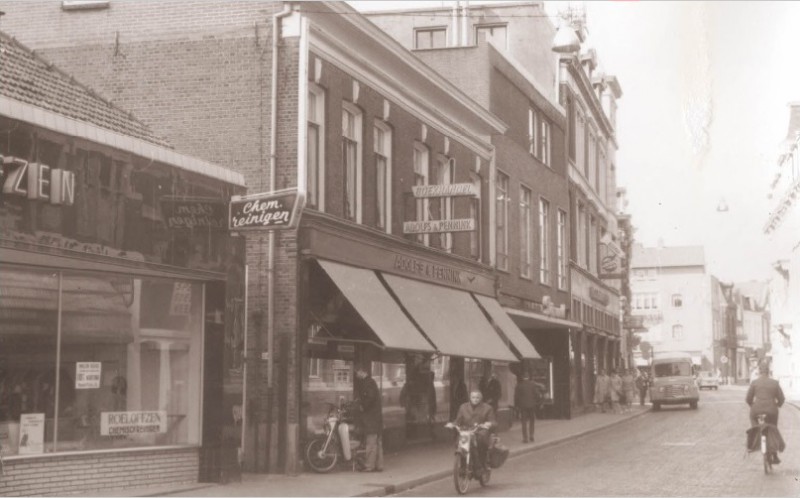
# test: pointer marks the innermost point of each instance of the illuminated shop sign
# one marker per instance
(37, 181)
(267, 211)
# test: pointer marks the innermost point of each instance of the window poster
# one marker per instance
(31, 433)
(87, 374)
(181, 303)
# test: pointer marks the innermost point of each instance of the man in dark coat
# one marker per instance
(476, 412)
(369, 399)
(765, 396)
(526, 399)
(491, 390)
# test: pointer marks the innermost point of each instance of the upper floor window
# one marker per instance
(544, 241)
(421, 160)
(591, 160)
(498, 32)
(533, 133)
(383, 176)
(475, 241)
(315, 143)
(592, 247)
(351, 160)
(430, 37)
(677, 331)
(544, 138)
(445, 173)
(581, 236)
(571, 124)
(677, 301)
(501, 212)
(525, 231)
(562, 249)
(602, 171)
(580, 141)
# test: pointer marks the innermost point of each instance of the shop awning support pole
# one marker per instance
(58, 361)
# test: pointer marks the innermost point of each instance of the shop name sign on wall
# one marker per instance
(193, 213)
(599, 296)
(439, 226)
(37, 181)
(425, 269)
(268, 211)
(129, 423)
(449, 190)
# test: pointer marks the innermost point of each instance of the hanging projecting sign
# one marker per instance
(268, 211)
(439, 226)
(448, 190)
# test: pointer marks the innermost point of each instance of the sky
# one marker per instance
(706, 87)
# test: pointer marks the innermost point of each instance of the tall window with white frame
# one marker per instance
(351, 161)
(581, 236)
(602, 171)
(445, 172)
(501, 212)
(562, 249)
(580, 141)
(592, 245)
(315, 170)
(677, 332)
(533, 136)
(475, 213)
(525, 230)
(383, 175)
(544, 241)
(421, 157)
(545, 154)
(591, 158)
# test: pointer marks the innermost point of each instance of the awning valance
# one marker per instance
(508, 327)
(375, 305)
(531, 320)
(451, 319)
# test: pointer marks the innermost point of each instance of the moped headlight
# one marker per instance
(463, 441)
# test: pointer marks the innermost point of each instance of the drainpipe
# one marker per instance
(273, 140)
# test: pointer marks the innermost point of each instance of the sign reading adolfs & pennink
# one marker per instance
(267, 211)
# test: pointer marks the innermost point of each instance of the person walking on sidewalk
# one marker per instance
(369, 398)
(602, 387)
(642, 383)
(628, 389)
(616, 390)
(526, 399)
(491, 390)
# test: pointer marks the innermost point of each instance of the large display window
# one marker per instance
(91, 361)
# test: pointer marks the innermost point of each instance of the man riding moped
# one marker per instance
(477, 413)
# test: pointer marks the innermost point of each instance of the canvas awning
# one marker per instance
(508, 327)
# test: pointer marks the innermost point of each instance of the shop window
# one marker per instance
(501, 212)
(128, 371)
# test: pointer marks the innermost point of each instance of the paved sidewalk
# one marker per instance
(404, 469)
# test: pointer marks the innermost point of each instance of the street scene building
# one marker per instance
(258, 247)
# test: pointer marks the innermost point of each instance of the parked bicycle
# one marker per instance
(340, 440)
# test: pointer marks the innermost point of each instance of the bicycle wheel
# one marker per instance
(319, 460)
(460, 474)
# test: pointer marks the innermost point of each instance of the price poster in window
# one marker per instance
(87, 374)
(31, 433)
(181, 304)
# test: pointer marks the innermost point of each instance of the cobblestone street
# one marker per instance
(674, 452)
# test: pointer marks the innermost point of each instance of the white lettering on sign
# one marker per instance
(132, 423)
(181, 304)
(87, 374)
(428, 270)
(447, 190)
(37, 181)
(439, 226)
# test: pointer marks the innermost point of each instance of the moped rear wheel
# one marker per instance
(319, 460)
(460, 474)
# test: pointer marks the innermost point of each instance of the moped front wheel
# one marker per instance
(319, 458)
(460, 474)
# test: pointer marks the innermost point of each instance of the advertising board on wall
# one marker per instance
(132, 423)
(266, 211)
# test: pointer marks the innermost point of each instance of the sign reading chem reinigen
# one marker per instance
(267, 211)
(132, 423)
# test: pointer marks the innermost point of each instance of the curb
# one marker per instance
(413, 483)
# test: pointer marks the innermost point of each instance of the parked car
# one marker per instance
(708, 380)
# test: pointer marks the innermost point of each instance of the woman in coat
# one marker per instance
(616, 390)
(601, 390)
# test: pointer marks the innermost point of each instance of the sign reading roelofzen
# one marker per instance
(268, 211)
(129, 423)
(451, 190)
(439, 226)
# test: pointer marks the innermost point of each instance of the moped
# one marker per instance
(323, 451)
(466, 465)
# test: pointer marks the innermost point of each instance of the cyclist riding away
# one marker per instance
(765, 397)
